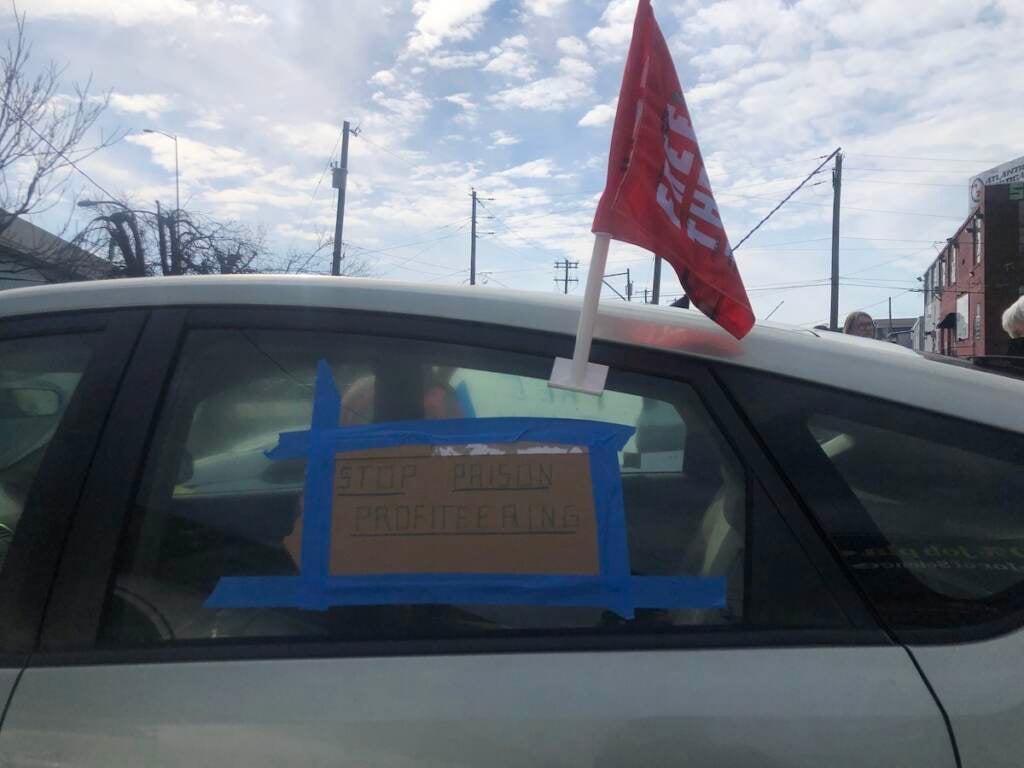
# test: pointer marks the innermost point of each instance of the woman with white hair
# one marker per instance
(1013, 319)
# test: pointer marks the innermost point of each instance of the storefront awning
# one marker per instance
(949, 321)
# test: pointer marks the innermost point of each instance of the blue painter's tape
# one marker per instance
(462, 589)
(614, 588)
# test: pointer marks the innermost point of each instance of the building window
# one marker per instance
(963, 316)
(978, 233)
(942, 273)
(952, 263)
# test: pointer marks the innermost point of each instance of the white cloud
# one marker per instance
(572, 46)
(724, 57)
(512, 59)
(516, 41)
(569, 87)
(207, 120)
(612, 35)
(445, 60)
(462, 100)
(292, 232)
(199, 161)
(220, 12)
(468, 116)
(503, 139)
(409, 105)
(541, 168)
(149, 104)
(577, 68)
(384, 77)
(441, 20)
(546, 8)
(599, 115)
(314, 138)
(121, 12)
(127, 13)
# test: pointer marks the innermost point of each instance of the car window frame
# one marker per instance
(72, 622)
(1011, 621)
(50, 506)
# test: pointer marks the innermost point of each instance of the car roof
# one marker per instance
(865, 366)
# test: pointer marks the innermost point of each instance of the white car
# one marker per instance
(799, 549)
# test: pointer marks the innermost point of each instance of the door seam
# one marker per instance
(938, 703)
(10, 696)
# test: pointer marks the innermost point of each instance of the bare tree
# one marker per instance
(42, 130)
(316, 260)
(140, 242)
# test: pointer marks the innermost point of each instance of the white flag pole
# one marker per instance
(580, 374)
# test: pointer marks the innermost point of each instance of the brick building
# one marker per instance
(977, 275)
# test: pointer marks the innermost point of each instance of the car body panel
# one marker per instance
(981, 686)
(857, 706)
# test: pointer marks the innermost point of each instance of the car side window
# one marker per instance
(38, 376)
(212, 504)
(924, 509)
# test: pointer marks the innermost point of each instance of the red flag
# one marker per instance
(657, 195)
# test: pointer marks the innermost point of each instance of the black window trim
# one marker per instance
(32, 563)
(1004, 625)
(85, 574)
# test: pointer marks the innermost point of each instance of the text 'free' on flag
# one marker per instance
(657, 195)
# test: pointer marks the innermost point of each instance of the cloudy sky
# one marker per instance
(515, 98)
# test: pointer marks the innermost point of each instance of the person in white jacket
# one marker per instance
(1013, 319)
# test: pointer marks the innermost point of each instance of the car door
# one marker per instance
(58, 376)
(925, 512)
(198, 618)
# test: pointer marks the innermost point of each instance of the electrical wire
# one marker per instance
(68, 160)
(849, 207)
(783, 202)
(932, 159)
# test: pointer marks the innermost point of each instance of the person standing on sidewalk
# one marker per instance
(859, 324)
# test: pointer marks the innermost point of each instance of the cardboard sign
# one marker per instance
(513, 508)
(475, 511)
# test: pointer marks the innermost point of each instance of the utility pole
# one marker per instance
(890, 320)
(161, 238)
(656, 291)
(472, 242)
(837, 187)
(565, 280)
(629, 284)
(339, 180)
(645, 297)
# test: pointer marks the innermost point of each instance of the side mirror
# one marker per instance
(28, 402)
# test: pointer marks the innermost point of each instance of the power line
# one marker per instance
(904, 183)
(783, 202)
(847, 207)
(910, 170)
(934, 159)
(68, 160)
(382, 149)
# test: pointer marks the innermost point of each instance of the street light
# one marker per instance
(177, 187)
